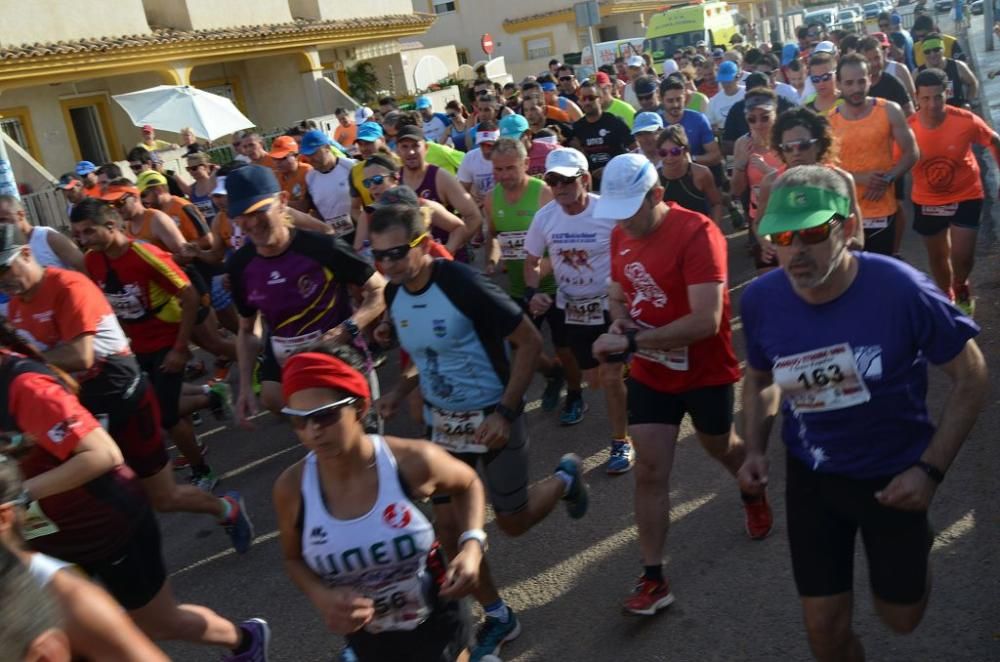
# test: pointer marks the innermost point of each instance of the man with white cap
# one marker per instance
(435, 124)
(728, 76)
(476, 171)
(645, 130)
(636, 67)
(669, 303)
(578, 246)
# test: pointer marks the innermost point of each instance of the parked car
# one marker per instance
(941, 6)
(848, 19)
(872, 9)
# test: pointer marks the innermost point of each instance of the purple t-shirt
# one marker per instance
(853, 371)
(301, 293)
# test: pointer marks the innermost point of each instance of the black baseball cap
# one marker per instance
(249, 188)
(411, 132)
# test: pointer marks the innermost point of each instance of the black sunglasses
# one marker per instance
(136, 167)
(321, 416)
(562, 78)
(798, 145)
(376, 180)
(396, 253)
(554, 179)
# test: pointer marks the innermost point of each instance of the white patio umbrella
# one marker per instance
(171, 108)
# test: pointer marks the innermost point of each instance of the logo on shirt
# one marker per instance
(869, 361)
(645, 287)
(575, 258)
(397, 515)
(439, 328)
(43, 317)
(275, 278)
(307, 288)
(317, 535)
(60, 430)
(625, 251)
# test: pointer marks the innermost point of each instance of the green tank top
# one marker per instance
(511, 221)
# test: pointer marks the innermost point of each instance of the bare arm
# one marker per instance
(702, 322)
(304, 221)
(76, 355)
(372, 302)
(532, 271)
(97, 627)
(712, 155)
(493, 252)
(66, 251)
(741, 156)
(969, 78)
(459, 199)
(95, 455)
(903, 135)
(528, 341)
(458, 232)
(167, 232)
(247, 345)
(859, 229)
(761, 402)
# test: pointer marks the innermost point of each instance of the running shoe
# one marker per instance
(573, 411)
(260, 634)
(967, 306)
(553, 389)
(737, 218)
(649, 597)
(346, 654)
(238, 526)
(181, 462)
(221, 372)
(493, 634)
(622, 457)
(577, 498)
(220, 401)
(196, 419)
(204, 480)
(759, 518)
(193, 370)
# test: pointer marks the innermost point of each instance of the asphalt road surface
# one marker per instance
(565, 579)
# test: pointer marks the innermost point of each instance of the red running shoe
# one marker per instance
(759, 518)
(649, 597)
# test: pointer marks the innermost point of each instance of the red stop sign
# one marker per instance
(487, 43)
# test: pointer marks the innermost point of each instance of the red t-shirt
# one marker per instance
(94, 520)
(142, 286)
(655, 272)
(947, 171)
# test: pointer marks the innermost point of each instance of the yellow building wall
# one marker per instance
(210, 14)
(30, 21)
(332, 10)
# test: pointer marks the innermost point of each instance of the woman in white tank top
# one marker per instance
(352, 537)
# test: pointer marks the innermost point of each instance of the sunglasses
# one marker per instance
(673, 151)
(809, 236)
(928, 51)
(822, 78)
(120, 202)
(136, 167)
(322, 416)
(762, 119)
(554, 179)
(798, 145)
(377, 180)
(565, 78)
(193, 168)
(645, 97)
(396, 253)
(587, 97)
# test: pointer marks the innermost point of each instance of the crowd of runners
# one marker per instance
(593, 213)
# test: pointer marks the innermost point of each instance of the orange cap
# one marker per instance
(118, 191)
(283, 146)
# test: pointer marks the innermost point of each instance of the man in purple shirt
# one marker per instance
(297, 280)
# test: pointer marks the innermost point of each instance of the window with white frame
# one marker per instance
(443, 6)
(538, 47)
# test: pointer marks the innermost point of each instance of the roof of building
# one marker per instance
(169, 37)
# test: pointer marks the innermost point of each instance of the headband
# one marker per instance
(487, 136)
(316, 370)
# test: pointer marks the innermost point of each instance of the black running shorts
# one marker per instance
(134, 424)
(929, 221)
(135, 574)
(441, 638)
(167, 385)
(581, 337)
(826, 511)
(711, 407)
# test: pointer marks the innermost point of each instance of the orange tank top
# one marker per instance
(756, 174)
(145, 231)
(866, 145)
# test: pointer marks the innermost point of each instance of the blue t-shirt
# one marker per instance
(895, 320)
(455, 331)
(698, 129)
(435, 127)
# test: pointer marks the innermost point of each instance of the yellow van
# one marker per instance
(682, 26)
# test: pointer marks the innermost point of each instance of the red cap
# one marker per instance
(117, 192)
(283, 146)
(147, 128)
(315, 370)
(882, 38)
(602, 78)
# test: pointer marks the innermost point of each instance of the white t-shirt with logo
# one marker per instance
(579, 247)
(477, 170)
(720, 105)
(331, 195)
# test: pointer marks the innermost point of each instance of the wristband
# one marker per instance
(508, 414)
(633, 346)
(473, 534)
(935, 474)
(529, 293)
(351, 327)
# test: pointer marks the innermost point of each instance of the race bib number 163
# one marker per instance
(824, 379)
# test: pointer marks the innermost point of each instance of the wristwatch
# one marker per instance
(351, 327)
(473, 534)
(508, 414)
(633, 346)
(935, 474)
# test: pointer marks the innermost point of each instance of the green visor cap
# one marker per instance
(931, 44)
(802, 207)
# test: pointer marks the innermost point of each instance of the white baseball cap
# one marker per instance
(635, 61)
(825, 47)
(669, 66)
(567, 162)
(220, 186)
(362, 115)
(624, 185)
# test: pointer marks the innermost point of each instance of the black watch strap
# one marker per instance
(935, 474)
(509, 414)
(352, 328)
(633, 347)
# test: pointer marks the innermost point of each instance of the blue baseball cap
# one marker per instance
(728, 72)
(370, 132)
(788, 54)
(513, 126)
(646, 122)
(548, 87)
(250, 188)
(312, 141)
(423, 102)
(85, 168)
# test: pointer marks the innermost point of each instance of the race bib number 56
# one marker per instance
(824, 379)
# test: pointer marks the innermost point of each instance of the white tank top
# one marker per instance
(43, 568)
(382, 554)
(39, 244)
